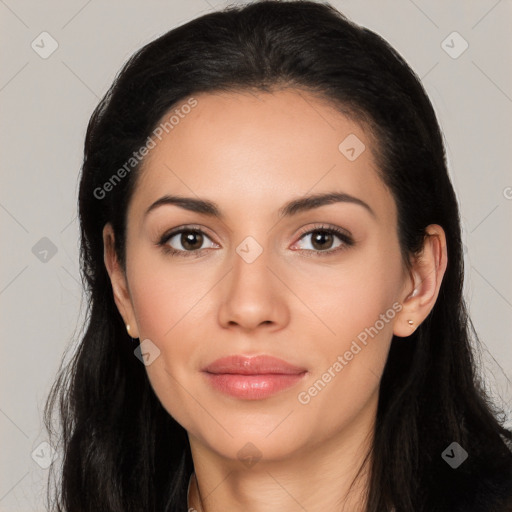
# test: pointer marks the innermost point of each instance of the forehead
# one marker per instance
(260, 150)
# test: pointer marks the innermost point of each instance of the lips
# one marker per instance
(252, 378)
(257, 365)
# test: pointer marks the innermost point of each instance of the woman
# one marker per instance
(272, 248)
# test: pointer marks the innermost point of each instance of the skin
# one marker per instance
(251, 154)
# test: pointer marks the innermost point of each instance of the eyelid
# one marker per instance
(179, 229)
(320, 226)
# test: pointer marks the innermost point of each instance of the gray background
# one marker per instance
(45, 106)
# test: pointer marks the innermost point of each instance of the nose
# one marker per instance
(252, 295)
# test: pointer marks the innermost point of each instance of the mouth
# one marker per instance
(252, 378)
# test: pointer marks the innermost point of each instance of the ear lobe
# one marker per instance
(118, 280)
(427, 273)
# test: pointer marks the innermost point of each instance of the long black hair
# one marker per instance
(122, 451)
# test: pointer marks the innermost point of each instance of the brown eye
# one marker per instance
(191, 240)
(324, 240)
(185, 241)
(321, 240)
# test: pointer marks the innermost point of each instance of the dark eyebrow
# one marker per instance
(293, 207)
(188, 203)
(316, 200)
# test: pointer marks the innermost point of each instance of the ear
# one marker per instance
(118, 280)
(422, 288)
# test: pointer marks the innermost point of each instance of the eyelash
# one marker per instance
(346, 240)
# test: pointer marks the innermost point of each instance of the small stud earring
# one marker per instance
(128, 329)
(410, 322)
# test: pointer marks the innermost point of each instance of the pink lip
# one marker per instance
(252, 378)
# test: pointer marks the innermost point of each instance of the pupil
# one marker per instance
(189, 239)
(321, 237)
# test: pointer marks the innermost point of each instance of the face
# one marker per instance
(319, 285)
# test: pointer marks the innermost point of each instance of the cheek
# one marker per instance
(165, 296)
(357, 305)
(350, 297)
(361, 320)
(347, 374)
(170, 313)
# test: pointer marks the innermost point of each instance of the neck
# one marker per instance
(315, 479)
